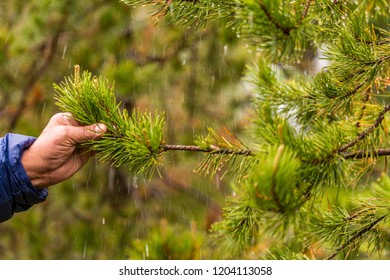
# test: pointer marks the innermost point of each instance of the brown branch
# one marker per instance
(361, 71)
(378, 61)
(286, 31)
(305, 11)
(214, 150)
(356, 236)
(355, 90)
(384, 42)
(367, 154)
(365, 101)
(184, 148)
(366, 132)
(384, 58)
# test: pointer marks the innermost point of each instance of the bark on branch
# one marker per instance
(366, 132)
(215, 150)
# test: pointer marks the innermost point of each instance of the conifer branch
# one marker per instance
(379, 60)
(367, 154)
(136, 140)
(363, 109)
(188, 12)
(305, 11)
(355, 90)
(286, 31)
(165, 148)
(366, 132)
(355, 237)
(212, 149)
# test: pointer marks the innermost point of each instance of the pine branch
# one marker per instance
(136, 140)
(366, 132)
(212, 149)
(285, 30)
(358, 235)
(132, 140)
(367, 154)
(241, 223)
(189, 12)
(237, 160)
(305, 11)
(366, 227)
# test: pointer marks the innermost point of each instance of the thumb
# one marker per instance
(81, 134)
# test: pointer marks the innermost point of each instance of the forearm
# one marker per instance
(16, 190)
(37, 171)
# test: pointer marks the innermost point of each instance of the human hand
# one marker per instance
(55, 156)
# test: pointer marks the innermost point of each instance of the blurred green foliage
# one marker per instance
(194, 75)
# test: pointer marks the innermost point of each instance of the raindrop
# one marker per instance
(225, 49)
(147, 250)
(64, 51)
(135, 182)
(85, 249)
(43, 109)
(103, 221)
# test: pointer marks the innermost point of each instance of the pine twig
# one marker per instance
(305, 11)
(365, 101)
(353, 238)
(367, 154)
(214, 150)
(286, 31)
(366, 132)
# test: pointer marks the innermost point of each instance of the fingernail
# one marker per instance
(100, 128)
(67, 115)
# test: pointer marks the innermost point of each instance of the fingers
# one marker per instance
(62, 119)
(76, 132)
(81, 134)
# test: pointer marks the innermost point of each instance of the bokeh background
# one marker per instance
(194, 75)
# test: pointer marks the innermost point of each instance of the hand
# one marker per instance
(55, 155)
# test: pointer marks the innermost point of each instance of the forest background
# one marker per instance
(197, 76)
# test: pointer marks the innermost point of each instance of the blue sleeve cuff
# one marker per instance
(16, 191)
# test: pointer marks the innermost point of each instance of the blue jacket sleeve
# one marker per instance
(16, 191)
